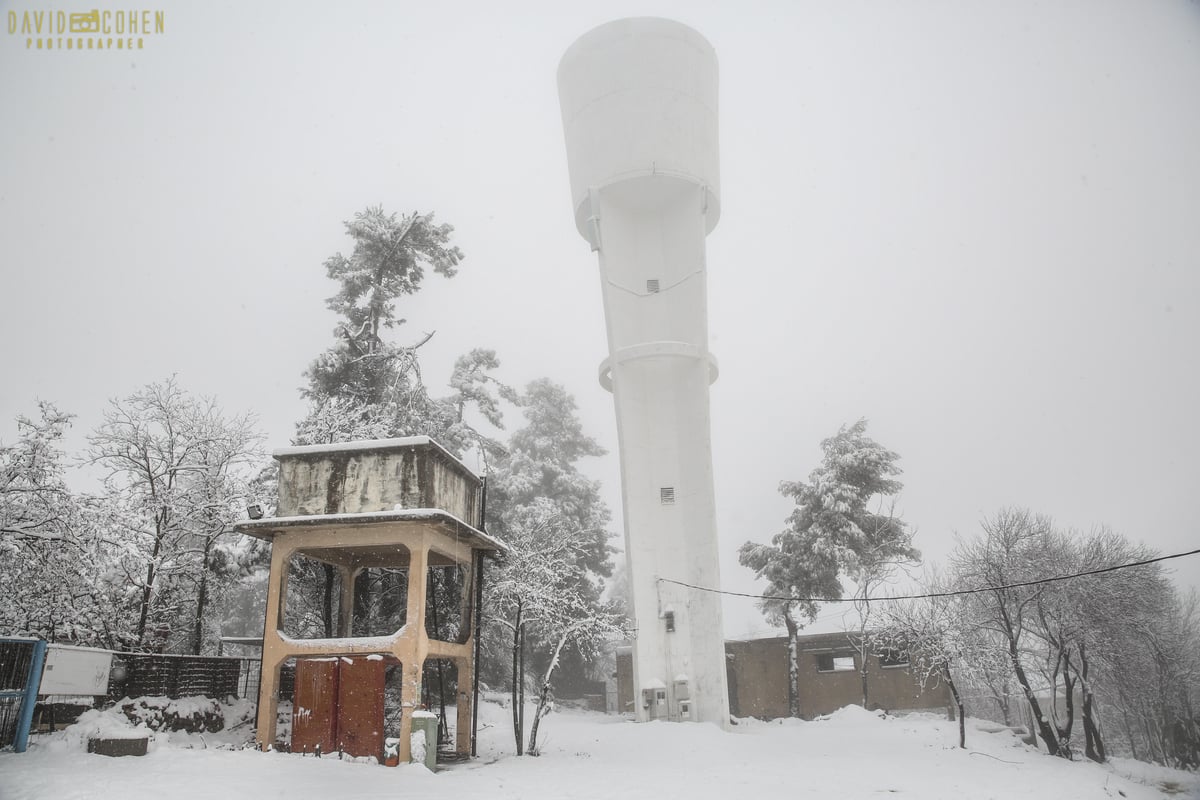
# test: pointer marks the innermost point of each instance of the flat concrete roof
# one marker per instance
(269, 527)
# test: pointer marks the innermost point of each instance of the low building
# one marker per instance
(828, 679)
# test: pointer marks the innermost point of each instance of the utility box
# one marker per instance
(654, 700)
(76, 670)
(683, 700)
(424, 739)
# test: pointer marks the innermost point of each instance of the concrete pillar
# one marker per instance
(462, 725)
(346, 600)
(413, 647)
(273, 654)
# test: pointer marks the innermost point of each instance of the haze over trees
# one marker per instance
(139, 564)
(1105, 661)
(1100, 664)
(1108, 660)
(148, 562)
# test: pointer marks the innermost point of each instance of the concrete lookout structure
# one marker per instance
(639, 108)
(392, 503)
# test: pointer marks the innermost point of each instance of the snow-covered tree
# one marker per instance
(175, 469)
(52, 561)
(542, 461)
(35, 502)
(793, 569)
(926, 634)
(541, 590)
(840, 527)
(938, 638)
(389, 260)
(1011, 551)
(1115, 643)
(1133, 647)
(364, 386)
(1157, 700)
(368, 387)
(546, 592)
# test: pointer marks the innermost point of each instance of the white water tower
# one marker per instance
(639, 106)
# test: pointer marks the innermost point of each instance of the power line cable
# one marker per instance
(929, 595)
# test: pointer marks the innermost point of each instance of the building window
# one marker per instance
(893, 658)
(835, 662)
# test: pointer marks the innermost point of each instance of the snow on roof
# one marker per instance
(362, 444)
(83, 648)
(261, 527)
(348, 643)
(367, 445)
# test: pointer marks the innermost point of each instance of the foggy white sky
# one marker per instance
(976, 224)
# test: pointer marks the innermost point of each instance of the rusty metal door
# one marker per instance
(315, 706)
(360, 706)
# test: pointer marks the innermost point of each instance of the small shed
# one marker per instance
(405, 504)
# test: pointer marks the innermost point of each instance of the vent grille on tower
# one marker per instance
(666, 495)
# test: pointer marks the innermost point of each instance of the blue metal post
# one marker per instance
(32, 683)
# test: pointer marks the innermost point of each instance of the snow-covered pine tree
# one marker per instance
(840, 527)
(542, 461)
(794, 569)
(544, 597)
(367, 387)
(364, 386)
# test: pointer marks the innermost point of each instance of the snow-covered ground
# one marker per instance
(851, 754)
